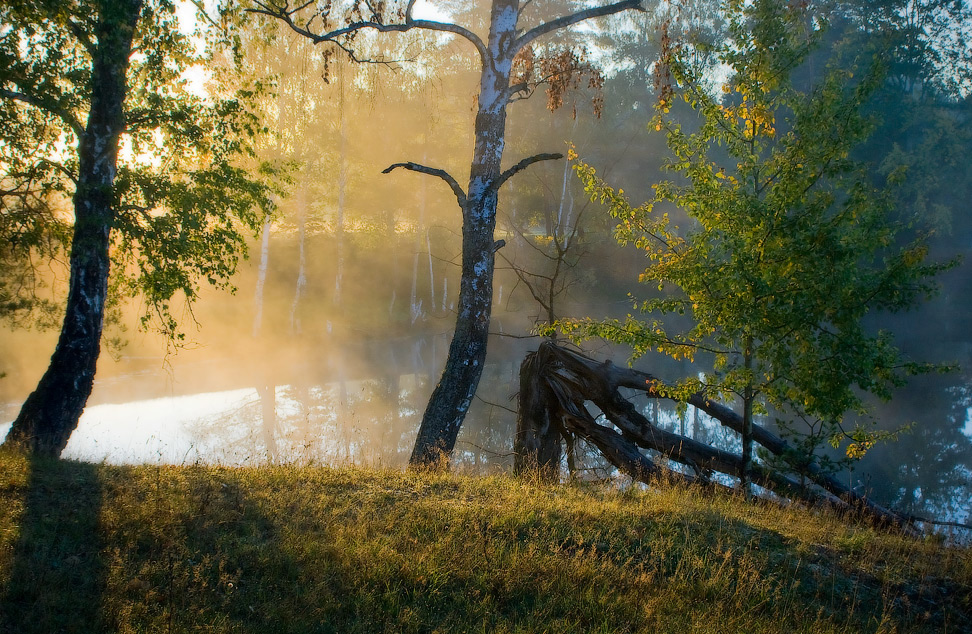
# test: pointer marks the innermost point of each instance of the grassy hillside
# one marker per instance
(164, 549)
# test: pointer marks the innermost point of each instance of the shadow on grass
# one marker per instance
(57, 578)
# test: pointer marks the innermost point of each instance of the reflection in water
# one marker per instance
(349, 422)
(373, 422)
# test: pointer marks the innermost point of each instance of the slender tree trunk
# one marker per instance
(342, 190)
(415, 304)
(295, 325)
(428, 246)
(747, 428)
(261, 276)
(51, 412)
(464, 365)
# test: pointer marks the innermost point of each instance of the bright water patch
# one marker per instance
(154, 431)
(325, 424)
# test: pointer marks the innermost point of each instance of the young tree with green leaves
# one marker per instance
(787, 244)
(95, 110)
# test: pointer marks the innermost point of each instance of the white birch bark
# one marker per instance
(261, 277)
(295, 325)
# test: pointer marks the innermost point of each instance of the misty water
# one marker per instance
(223, 428)
(338, 385)
(236, 400)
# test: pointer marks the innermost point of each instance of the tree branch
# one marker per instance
(353, 56)
(61, 168)
(201, 10)
(574, 18)
(64, 115)
(82, 37)
(522, 165)
(285, 14)
(431, 171)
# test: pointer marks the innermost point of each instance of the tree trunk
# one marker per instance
(464, 365)
(50, 414)
(536, 446)
(261, 276)
(342, 191)
(267, 392)
(747, 427)
(295, 323)
(414, 303)
(428, 246)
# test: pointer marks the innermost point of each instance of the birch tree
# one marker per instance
(80, 81)
(501, 82)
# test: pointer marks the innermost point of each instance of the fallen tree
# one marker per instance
(556, 384)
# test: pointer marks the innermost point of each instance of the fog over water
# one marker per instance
(328, 351)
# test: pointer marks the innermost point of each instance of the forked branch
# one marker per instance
(574, 18)
(522, 165)
(432, 171)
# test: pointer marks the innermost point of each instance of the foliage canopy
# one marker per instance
(186, 190)
(788, 244)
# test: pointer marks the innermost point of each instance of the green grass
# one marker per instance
(94, 548)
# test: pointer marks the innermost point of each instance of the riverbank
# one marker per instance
(97, 548)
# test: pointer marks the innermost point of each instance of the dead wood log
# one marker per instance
(556, 384)
(536, 445)
(549, 411)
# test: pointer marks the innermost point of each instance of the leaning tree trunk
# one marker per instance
(556, 383)
(467, 353)
(539, 427)
(50, 414)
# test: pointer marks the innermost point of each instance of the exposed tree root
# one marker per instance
(556, 384)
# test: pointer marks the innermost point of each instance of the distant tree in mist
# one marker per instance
(96, 121)
(924, 132)
(549, 245)
(511, 66)
(923, 107)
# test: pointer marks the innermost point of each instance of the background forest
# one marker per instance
(339, 326)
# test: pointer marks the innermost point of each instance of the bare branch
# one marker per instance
(201, 11)
(523, 87)
(391, 63)
(574, 18)
(61, 168)
(522, 276)
(522, 165)
(285, 14)
(431, 171)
